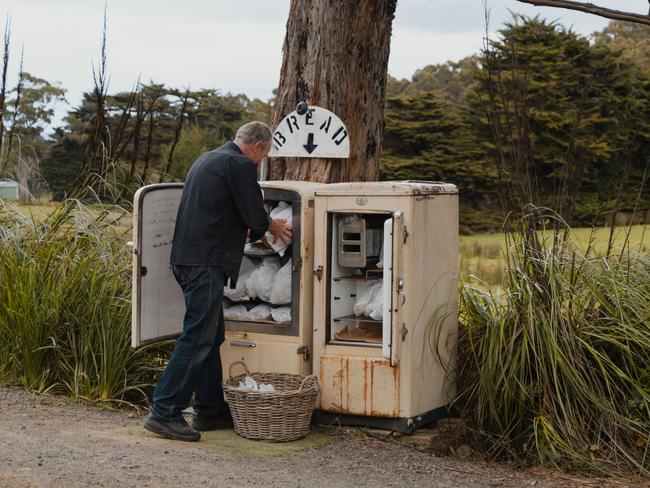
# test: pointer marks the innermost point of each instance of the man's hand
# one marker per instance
(280, 230)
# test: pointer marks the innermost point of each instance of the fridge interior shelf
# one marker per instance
(368, 275)
(265, 322)
(355, 318)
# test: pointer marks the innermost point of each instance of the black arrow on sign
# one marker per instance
(310, 146)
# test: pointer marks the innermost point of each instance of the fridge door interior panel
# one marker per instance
(158, 305)
(396, 287)
(387, 289)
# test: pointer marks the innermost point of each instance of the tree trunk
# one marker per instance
(23, 173)
(335, 56)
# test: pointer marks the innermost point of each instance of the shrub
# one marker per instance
(555, 369)
(66, 314)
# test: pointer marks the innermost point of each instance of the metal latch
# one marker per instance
(405, 234)
(318, 273)
(304, 350)
(243, 343)
(403, 331)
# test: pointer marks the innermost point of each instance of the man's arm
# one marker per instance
(247, 195)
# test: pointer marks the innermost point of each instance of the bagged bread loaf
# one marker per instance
(281, 292)
(240, 293)
(284, 212)
(260, 283)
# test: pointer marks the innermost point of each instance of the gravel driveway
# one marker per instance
(52, 441)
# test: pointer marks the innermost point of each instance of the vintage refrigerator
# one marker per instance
(158, 307)
(385, 302)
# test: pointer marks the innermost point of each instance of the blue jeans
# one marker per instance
(195, 364)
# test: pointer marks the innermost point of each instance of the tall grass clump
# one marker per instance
(65, 311)
(555, 369)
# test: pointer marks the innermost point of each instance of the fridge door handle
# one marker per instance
(243, 343)
(304, 350)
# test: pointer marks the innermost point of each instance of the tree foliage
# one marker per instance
(543, 107)
(546, 111)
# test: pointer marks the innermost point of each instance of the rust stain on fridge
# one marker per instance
(360, 386)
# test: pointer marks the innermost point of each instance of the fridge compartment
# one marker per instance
(261, 254)
(355, 293)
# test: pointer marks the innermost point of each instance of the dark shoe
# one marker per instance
(172, 429)
(221, 420)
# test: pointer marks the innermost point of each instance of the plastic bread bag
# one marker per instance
(281, 315)
(250, 384)
(282, 211)
(236, 312)
(259, 312)
(369, 300)
(281, 293)
(375, 307)
(364, 295)
(260, 283)
(240, 293)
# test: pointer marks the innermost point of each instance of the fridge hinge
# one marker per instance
(405, 234)
(403, 331)
(304, 350)
(318, 273)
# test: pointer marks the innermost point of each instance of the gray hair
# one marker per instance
(254, 132)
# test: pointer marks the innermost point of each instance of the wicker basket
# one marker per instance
(278, 416)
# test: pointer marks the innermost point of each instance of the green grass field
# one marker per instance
(481, 255)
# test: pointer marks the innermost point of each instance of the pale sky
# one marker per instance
(233, 45)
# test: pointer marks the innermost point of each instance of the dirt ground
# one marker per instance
(51, 441)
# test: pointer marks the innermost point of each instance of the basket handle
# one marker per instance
(310, 377)
(235, 364)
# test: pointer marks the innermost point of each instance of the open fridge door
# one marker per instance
(387, 289)
(393, 284)
(157, 300)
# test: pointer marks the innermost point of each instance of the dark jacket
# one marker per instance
(221, 200)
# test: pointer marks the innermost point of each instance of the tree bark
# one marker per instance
(590, 8)
(335, 56)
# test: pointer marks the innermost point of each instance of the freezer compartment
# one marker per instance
(359, 307)
(266, 298)
(359, 246)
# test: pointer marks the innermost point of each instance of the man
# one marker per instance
(221, 202)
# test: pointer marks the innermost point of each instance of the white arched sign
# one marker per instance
(318, 133)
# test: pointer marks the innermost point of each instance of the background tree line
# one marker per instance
(583, 103)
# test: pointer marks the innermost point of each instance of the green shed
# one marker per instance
(9, 190)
